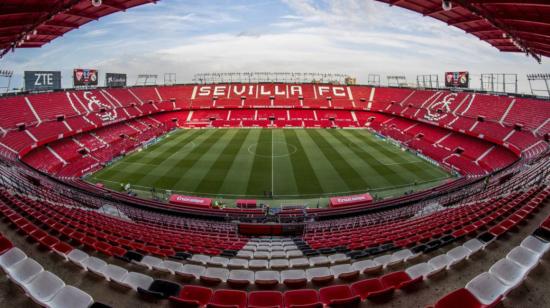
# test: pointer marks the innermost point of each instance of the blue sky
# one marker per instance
(340, 36)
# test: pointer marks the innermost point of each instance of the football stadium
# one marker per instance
(193, 153)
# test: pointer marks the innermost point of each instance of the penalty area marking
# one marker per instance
(353, 145)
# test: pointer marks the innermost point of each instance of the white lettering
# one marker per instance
(339, 91)
(219, 90)
(277, 92)
(323, 89)
(204, 91)
(296, 90)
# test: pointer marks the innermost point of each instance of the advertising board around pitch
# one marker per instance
(350, 200)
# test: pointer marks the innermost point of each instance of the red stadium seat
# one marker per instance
(302, 298)
(228, 298)
(399, 280)
(192, 296)
(264, 299)
(460, 298)
(339, 296)
(372, 289)
(5, 245)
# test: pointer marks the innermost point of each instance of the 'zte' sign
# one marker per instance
(42, 80)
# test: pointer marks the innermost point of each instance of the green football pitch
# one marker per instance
(289, 163)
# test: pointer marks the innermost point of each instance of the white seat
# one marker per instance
(114, 273)
(258, 264)
(458, 254)
(78, 257)
(218, 261)
(294, 253)
(192, 270)
(293, 275)
(149, 262)
(384, 260)
(279, 264)
(474, 245)
(11, 257)
(524, 257)
(237, 263)
(318, 272)
(290, 247)
(508, 272)
(401, 256)
(266, 276)
(249, 248)
(420, 269)
(299, 263)
(245, 254)
(439, 263)
(343, 270)
(94, 265)
(278, 254)
(216, 273)
(137, 280)
(486, 288)
(199, 259)
(43, 287)
(240, 274)
(170, 266)
(338, 258)
(367, 266)
(261, 254)
(277, 248)
(24, 271)
(319, 261)
(70, 297)
(536, 245)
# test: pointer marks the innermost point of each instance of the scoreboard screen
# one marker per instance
(85, 77)
(457, 79)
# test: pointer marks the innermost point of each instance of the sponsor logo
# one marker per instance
(439, 110)
(190, 200)
(350, 199)
(95, 104)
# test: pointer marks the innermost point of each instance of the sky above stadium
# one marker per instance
(338, 36)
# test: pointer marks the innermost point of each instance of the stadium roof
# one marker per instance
(510, 26)
(33, 23)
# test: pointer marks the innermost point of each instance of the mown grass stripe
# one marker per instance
(259, 181)
(213, 180)
(369, 158)
(369, 174)
(160, 148)
(170, 171)
(147, 170)
(350, 176)
(236, 182)
(304, 175)
(185, 176)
